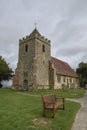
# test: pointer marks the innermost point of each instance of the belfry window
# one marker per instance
(26, 48)
(43, 48)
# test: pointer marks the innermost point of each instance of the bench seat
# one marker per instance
(52, 102)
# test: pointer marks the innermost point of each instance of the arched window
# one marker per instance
(43, 48)
(26, 48)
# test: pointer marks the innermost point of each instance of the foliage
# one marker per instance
(82, 73)
(5, 71)
(23, 112)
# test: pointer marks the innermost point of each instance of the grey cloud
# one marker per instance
(72, 51)
(64, 22)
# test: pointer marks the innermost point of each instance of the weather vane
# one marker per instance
(35, 25)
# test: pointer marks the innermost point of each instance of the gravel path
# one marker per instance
(80, 122)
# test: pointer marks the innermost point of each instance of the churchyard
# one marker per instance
(23, 111)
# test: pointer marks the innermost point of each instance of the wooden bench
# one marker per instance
(52, 102)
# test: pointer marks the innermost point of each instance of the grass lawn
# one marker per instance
(22, 112)
(69, 93)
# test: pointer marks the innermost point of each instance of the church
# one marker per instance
(37, 69)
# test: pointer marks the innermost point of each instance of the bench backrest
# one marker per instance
(49, 98)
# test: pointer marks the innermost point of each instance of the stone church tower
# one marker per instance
(32, 70)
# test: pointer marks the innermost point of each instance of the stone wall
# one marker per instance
(66, 82)
(43, 59)
(33, 62)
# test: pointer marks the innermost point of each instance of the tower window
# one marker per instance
(25, 74)
(43, 48)
(26, 48)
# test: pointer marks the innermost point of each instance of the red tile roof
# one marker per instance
(63, 68)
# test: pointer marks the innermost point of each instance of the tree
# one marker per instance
(82, 73)
(6, 72)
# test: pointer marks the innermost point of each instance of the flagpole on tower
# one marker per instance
(35, 25)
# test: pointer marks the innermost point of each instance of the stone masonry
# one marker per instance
(36, 69)
(32, 70)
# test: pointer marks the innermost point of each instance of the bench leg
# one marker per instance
(53, 113)
(43, 112)
(63, 107)
(63, 104)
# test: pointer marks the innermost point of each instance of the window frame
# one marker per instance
(26, 48)
(43, 48)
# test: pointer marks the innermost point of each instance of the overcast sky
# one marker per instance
(64, 22)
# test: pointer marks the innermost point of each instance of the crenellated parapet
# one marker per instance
(34, 34)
